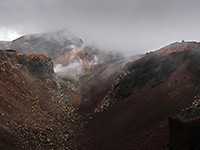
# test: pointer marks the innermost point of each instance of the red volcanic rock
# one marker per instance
(11, 141)
(35, 112)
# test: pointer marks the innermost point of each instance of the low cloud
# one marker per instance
(128, 26)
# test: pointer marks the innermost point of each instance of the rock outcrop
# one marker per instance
(35, 109)
(185, 128)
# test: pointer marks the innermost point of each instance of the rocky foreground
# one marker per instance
(115, 105)
(35, 112)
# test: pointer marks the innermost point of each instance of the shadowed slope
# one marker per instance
(147, 92)
(34, 103)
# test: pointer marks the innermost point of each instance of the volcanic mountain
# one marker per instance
(123, 103)
(91, 69)
(134, 113)
(36, 102)
(72, 57)
(62, 47)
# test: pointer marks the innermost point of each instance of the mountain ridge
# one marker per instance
(125, 102)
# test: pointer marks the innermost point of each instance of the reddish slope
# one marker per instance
(34, 103)
(146, 93)
(96, 84)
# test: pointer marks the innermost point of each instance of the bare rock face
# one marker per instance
(185, 128)
(192, 112)
(37, 64)
(35, 109)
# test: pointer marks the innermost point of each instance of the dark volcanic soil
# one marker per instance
(150, 90)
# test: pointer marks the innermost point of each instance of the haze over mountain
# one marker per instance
(129, 26)
(125, 101)
(84, 74)
(71, 54)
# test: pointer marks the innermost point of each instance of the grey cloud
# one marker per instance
(131, 26)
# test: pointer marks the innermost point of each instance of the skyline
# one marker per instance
(129, 26)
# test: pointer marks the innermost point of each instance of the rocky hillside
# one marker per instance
(35, 109)
(97, 81)
(121, 104)
(134, 113)
(39, 109)
(64, 48)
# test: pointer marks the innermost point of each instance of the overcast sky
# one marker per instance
(131, 26)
